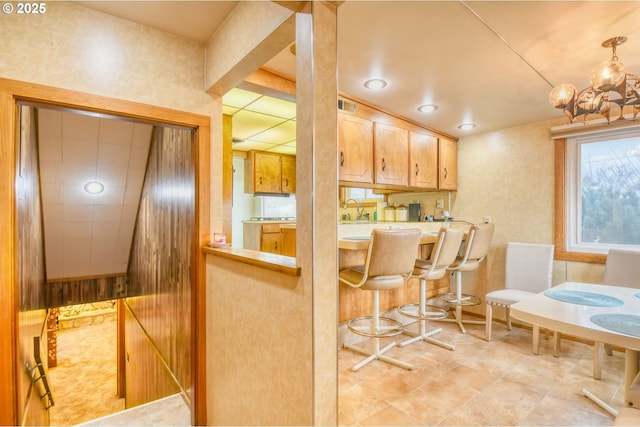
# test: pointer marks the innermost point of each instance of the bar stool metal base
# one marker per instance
(423, 315)
(381, 327)
(451, 298)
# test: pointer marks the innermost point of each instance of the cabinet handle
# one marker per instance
(342, 158)
(276, 245)
(286, 182)
(384, 165)
(445, 173)
(417, 169)
(260, 180)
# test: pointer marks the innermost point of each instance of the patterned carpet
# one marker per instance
(84, 382)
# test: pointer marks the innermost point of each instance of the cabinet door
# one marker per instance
(448, 164)
(355, 149)
(266, 173)
(390, 153)
(271, 242)
(288, 179)
(423, 160)
(289, 242)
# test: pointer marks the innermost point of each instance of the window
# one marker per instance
(602, 193)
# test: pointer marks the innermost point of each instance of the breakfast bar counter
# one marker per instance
(353, 242)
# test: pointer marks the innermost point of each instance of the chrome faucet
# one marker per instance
(358, 211)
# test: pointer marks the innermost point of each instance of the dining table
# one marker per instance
(596, 312)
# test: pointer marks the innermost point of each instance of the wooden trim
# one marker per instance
(121, 354)
(270, 82)
(8, 270)
(274, 262)
(12, 91)
(561, 252)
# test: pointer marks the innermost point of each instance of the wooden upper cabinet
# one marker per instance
(391, 153)
(269, 173)
(423, 160)
(288, 177)
(448, 164)
(355, 149)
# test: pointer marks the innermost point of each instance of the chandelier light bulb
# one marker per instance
(607, 75)
(561, 95)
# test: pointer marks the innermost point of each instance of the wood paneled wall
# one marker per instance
(82, 291)
(162, 266)
(30, 269)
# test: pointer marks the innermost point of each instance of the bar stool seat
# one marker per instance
(389, 262)
(443, 254)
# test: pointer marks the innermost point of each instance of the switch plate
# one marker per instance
(439, 204)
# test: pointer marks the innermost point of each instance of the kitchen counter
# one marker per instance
(362, 242)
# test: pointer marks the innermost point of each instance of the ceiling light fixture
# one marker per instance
(94, 187)
(375, 84)
(427, 108)
(612, 93)
(466, 126)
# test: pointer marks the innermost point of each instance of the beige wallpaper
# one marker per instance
(76, 48)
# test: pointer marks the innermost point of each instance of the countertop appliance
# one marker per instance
(414, 212)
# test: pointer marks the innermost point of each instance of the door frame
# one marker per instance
(11, 93)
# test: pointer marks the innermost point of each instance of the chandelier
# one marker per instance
(613, 94)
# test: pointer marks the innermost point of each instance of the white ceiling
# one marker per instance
(89, 234)
(492, 63)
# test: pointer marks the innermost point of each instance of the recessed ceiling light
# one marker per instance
(375, 84)
(94, 187)
(466, 126)
(427, 108)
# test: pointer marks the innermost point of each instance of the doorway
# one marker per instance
(13, 94)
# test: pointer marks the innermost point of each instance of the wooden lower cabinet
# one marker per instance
(271, 242)
(265, 237)
(289, 241)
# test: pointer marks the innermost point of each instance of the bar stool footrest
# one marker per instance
(431, 312)
(387, 327)
(465, 299)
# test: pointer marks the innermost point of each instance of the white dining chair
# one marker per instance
(622, 268)
(528, 269)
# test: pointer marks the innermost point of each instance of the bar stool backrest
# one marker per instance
(446, 248)
(392, 252)
(478, 243)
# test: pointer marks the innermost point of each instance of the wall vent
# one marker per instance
(346, 106)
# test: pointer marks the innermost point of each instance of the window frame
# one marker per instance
(562, 194)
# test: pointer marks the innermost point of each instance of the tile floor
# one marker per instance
(169, 411)
(480, 383)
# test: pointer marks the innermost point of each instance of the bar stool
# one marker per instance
(389, 262)
(443, 254)
(474, 252)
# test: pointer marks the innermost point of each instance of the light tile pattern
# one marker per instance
(169, 411)
(480, 383)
